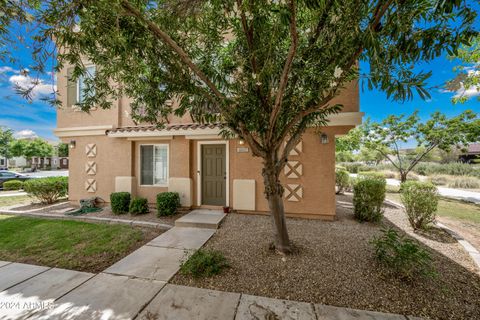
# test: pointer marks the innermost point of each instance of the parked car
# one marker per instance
(10, 175)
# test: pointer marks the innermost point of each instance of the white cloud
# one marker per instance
(38, 87)
(26, 134)
(469, 92)
(7, 69)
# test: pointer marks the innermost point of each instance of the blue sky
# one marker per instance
(39, 118)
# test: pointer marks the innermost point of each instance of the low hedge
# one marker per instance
(368, 197)
(120, 202)
(167, 203)
(47, 190)
(12, 185)
(342, 180)
(138, 206)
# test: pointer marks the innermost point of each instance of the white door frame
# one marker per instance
(199, 167)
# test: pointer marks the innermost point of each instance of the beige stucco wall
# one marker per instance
(119, 157)
(113, 158)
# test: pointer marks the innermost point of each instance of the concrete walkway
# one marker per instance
(469, 196)
(136, 288)
(12, 194)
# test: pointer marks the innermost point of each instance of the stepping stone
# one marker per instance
(182, 238)
(253, 307)
(103, 297)
(344, 202)
(201, 218)
(186, 303)
(14, 273)
(40, 292)
(4, 263)
(336, 313)
(149, 263)
(347, 206)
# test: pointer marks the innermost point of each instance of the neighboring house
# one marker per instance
(15, 162)
(53, 163)
(472, 153)
(109, 153)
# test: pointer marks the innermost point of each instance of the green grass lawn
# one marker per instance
(450, 208)
(67, 244)
(10, 201)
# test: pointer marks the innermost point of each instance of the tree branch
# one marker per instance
(286, 69)
(165, 38)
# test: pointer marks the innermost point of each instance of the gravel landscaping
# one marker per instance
(334, 265)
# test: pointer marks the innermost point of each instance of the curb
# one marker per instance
(134, 223)
(471, 250)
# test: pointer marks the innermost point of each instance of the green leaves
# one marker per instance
(437, 132)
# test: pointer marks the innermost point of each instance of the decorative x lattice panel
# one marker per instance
(297, 150)
(293, 169)
(91, 185)
(91, 150)
(91, 168)
(293, 192)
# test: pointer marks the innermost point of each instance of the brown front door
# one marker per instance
(214, 175)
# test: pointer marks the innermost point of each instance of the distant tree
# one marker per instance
(467, 81)
(371, 155)
(349, 142)
(267, 70)
(31, 148)
(437, 132)
(38, 148)
(62, 149)
(17, 147)
(6, 137)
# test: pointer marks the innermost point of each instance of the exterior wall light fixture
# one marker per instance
(323, 138)
(72, 144)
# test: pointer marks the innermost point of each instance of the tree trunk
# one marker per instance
(274, 195)
(403, 176)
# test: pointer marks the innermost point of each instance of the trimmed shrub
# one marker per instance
(342, 180)
(138, 206)
(371, 174)
(464, 183)
(352, 167)
(12, 185)
(120, 202)
(167, 203)
(368, 197)
(47, 190)
(402, 255)
(420, 200)
(204, 263)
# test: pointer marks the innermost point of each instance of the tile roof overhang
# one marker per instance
(184, 129)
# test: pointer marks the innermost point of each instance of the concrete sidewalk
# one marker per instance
(464, 195)
(136, 288)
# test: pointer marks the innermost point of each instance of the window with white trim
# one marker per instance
(81, 87)
(154, 165)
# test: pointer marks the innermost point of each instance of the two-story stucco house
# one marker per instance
(110, 153)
